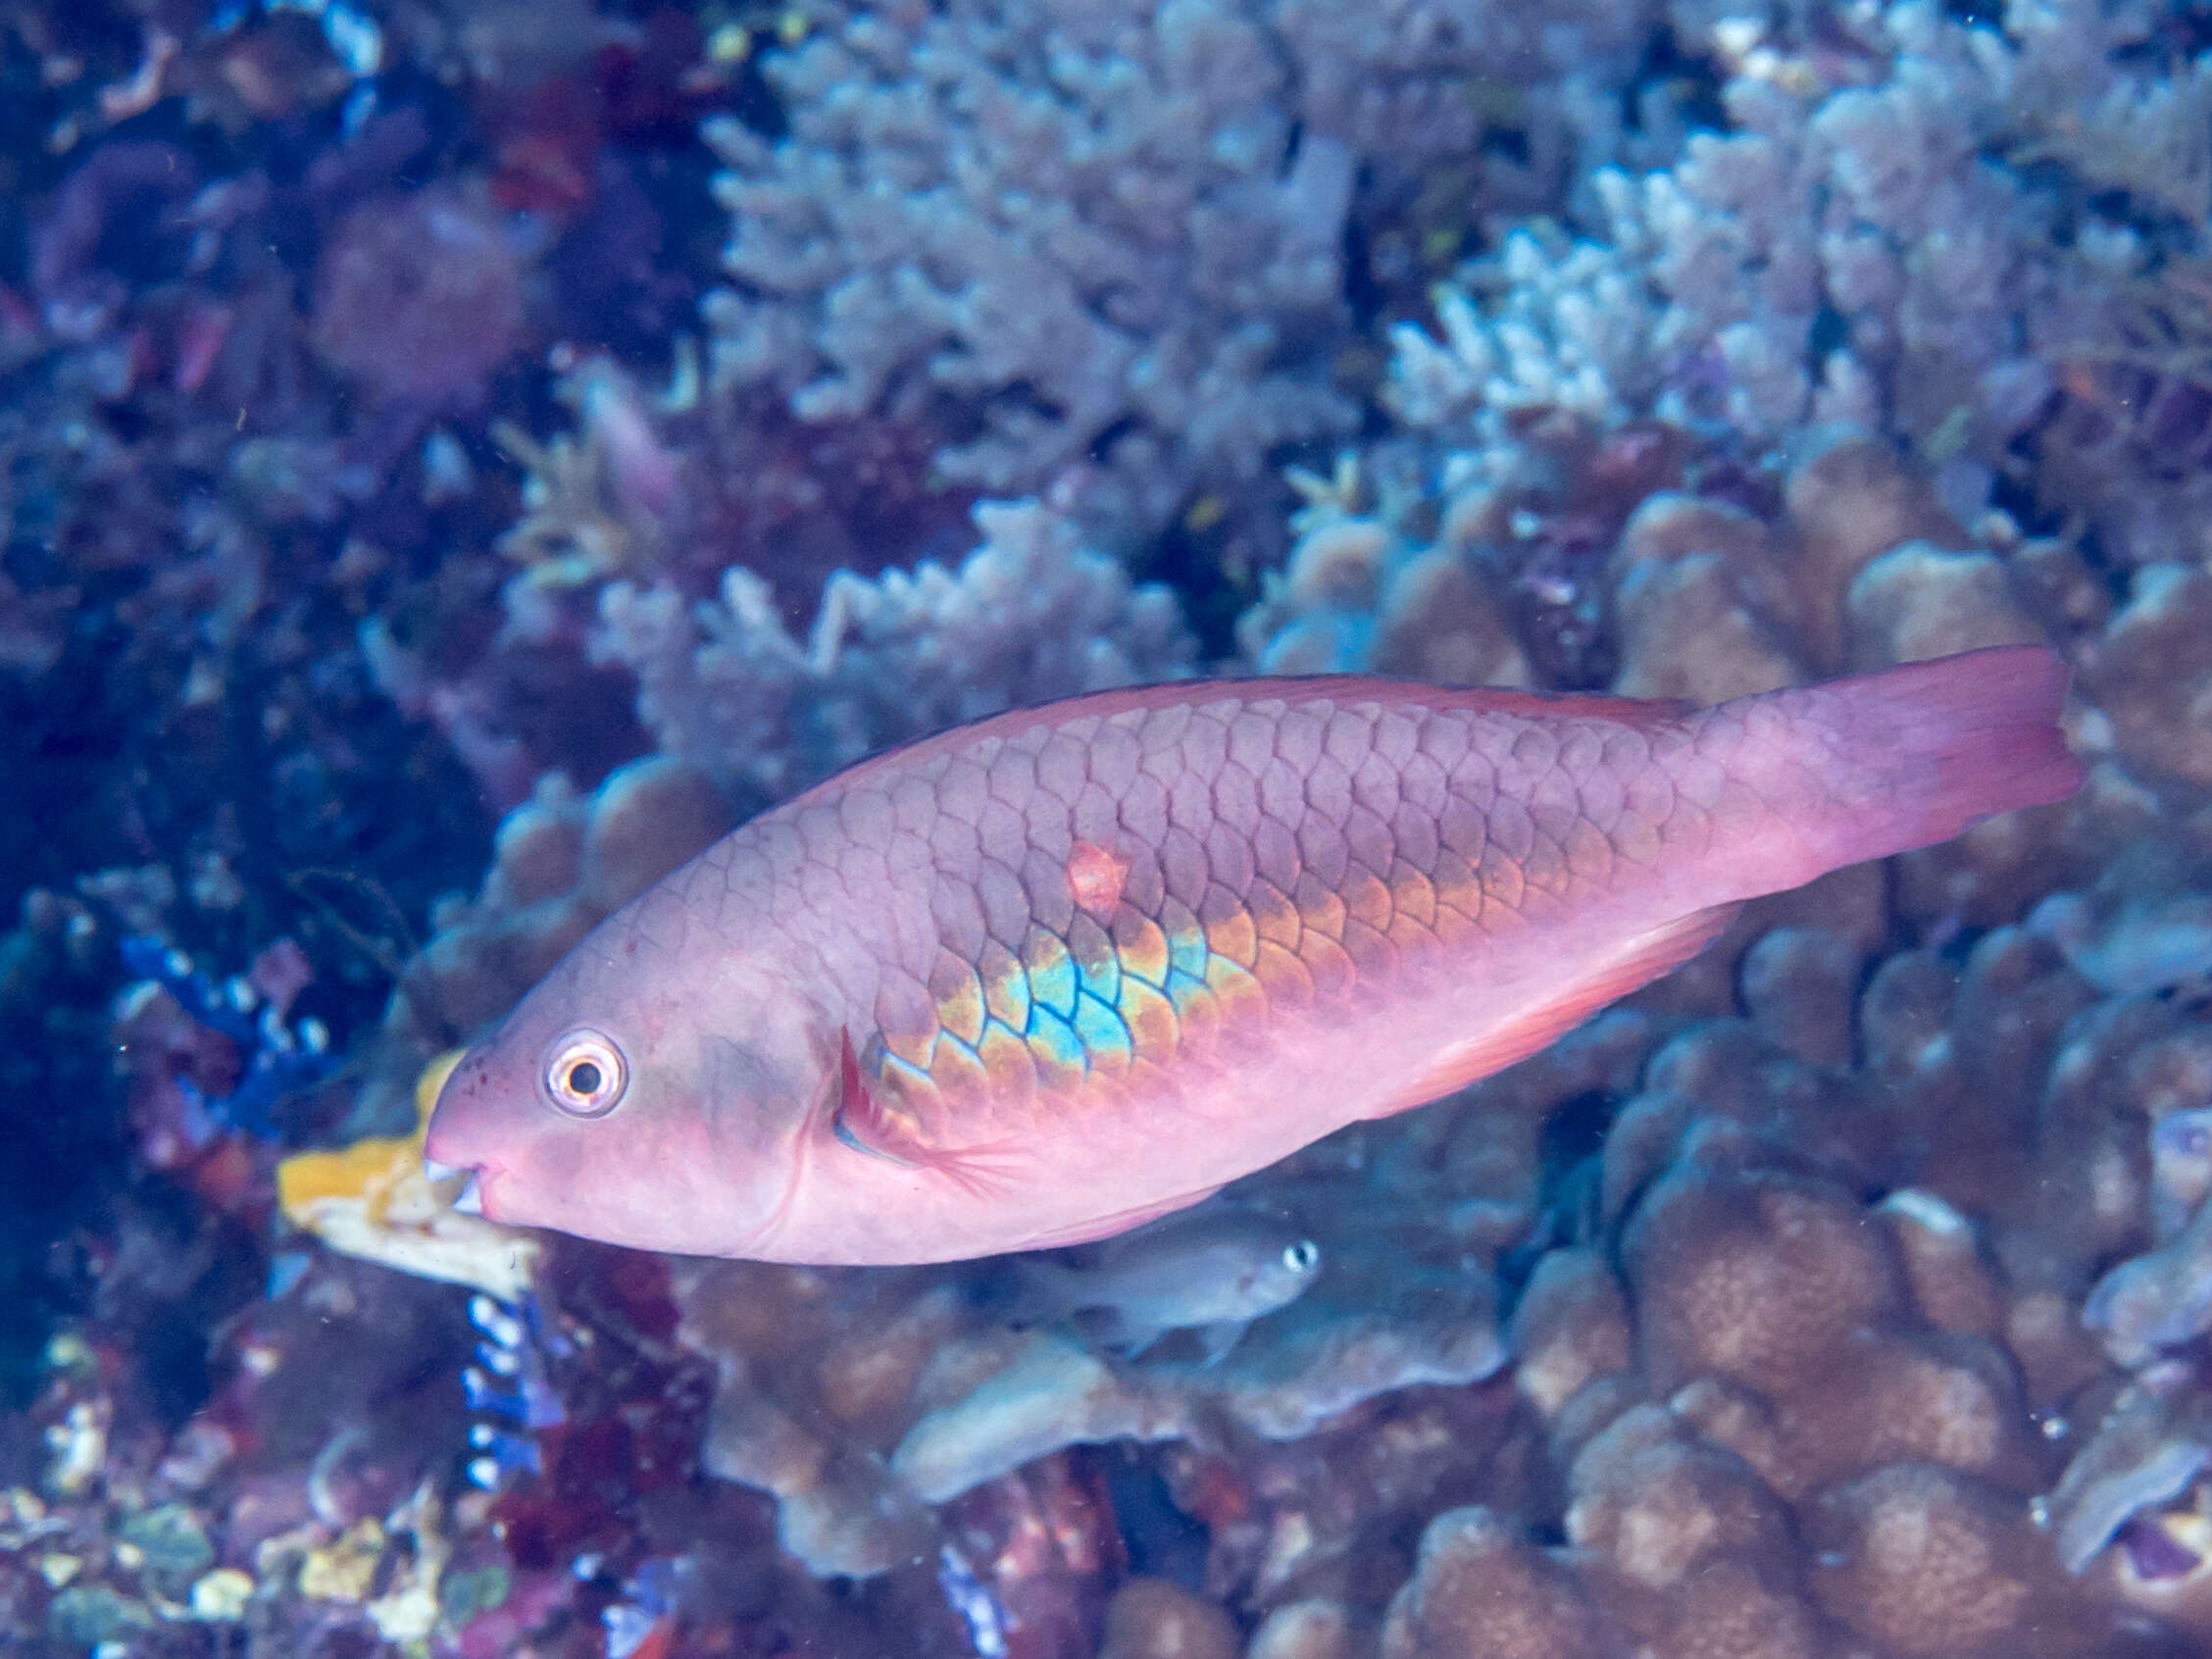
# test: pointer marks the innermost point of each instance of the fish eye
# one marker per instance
(586, 1075)
(1302, 1257)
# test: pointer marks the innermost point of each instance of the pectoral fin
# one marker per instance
(860, 1119)
(1215, 1339)
(855, 1118)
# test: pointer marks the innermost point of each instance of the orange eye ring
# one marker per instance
(586, 1075)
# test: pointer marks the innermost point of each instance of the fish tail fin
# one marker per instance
(1929, 748)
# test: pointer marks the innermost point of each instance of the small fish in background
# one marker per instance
(1211, 1270)
(1037, 981)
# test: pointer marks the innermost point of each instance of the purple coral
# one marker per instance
(420, 298)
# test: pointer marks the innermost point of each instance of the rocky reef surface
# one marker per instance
(461, 457)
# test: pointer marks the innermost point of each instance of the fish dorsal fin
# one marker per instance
(1531, 1030)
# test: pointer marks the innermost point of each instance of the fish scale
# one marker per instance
(1033, 981)
(1090, 1009)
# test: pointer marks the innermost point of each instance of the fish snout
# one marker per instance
(448, 1158)
(442, 1144)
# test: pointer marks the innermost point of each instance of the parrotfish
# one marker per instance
(1213, 1271)
(1036, 979)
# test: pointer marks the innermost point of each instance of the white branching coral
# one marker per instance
(1912, 231)
(1067, 234)
(1028, 616)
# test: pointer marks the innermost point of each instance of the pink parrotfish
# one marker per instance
(1036, 979)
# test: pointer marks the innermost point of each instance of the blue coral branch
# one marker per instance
(279, 1059)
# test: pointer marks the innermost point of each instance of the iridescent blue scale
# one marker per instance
(1054, 980)
(1077, 1014)
(1053, 1037)
(1101, 977)
(1101, 1027)
(894, 1066)
(1186, 955)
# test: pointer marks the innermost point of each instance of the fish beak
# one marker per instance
(457, 1184)
(470, 1199)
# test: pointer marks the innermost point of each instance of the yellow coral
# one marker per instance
(376, 1200)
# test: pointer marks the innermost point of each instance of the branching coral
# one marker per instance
(954, 222)
(1057, 233)
(1029, 615)
(1929, 227)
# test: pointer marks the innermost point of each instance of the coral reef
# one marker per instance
(1073, 240)
(1028, 616)
(1925, 224)
(456, 458)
